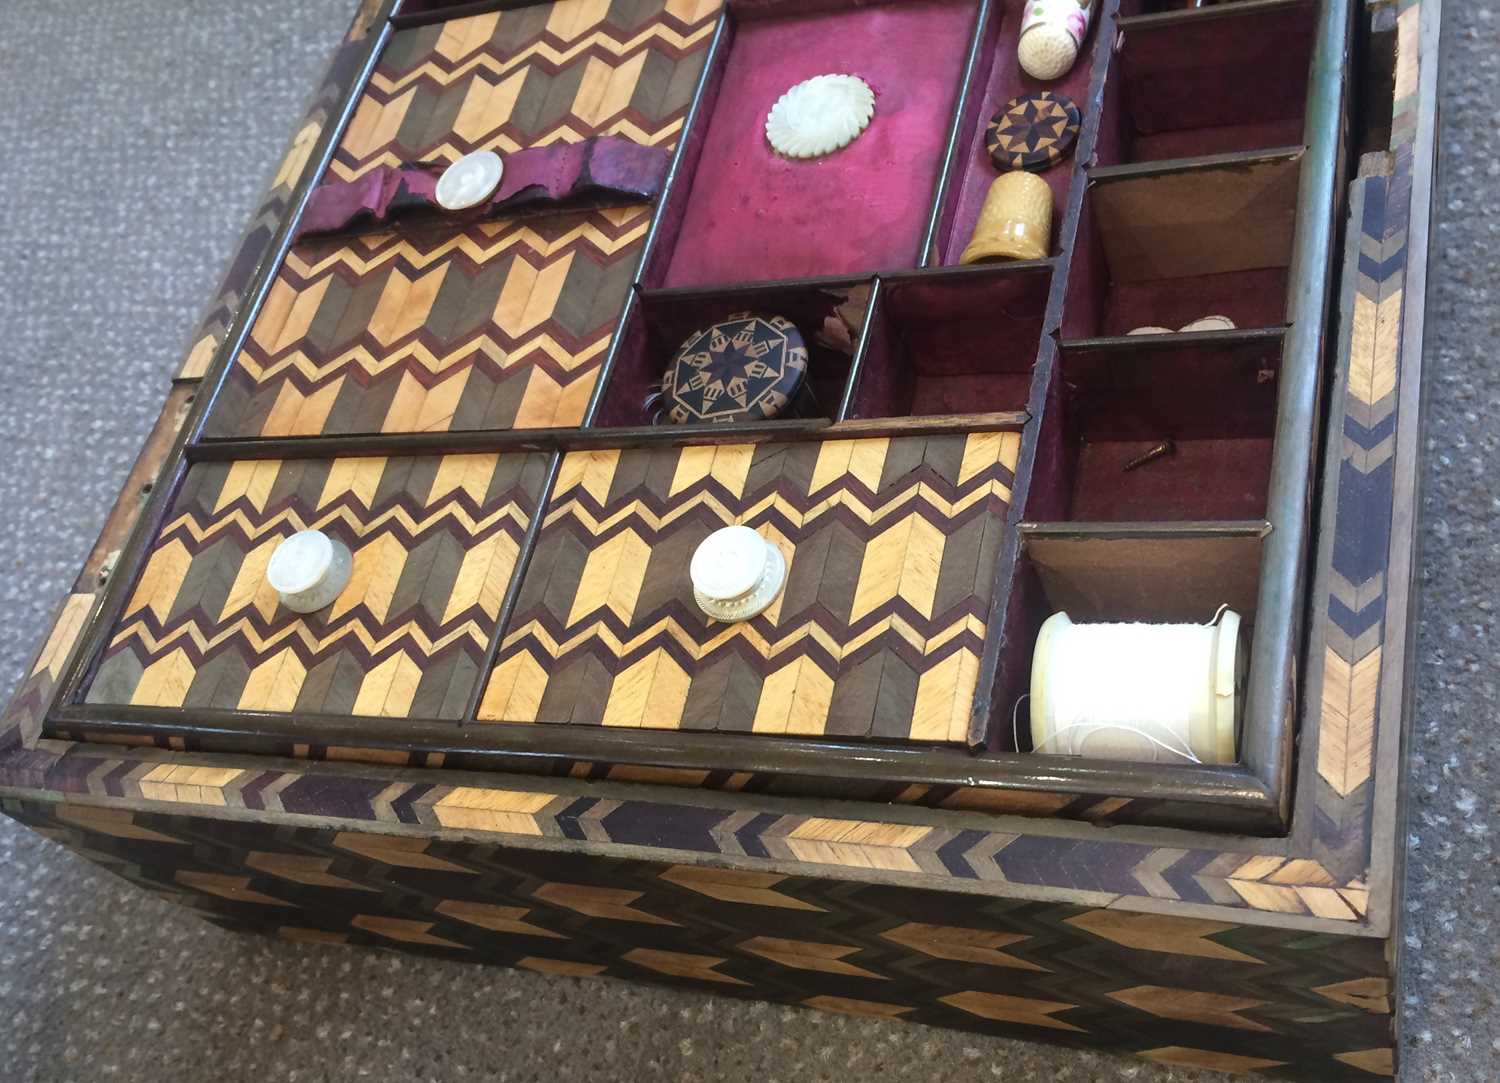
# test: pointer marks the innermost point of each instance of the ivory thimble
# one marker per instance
(1015, 221)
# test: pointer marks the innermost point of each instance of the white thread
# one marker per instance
(1137, 691)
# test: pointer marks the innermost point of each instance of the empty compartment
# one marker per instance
(1162, 248)
(829, 316)
(960, 343)
(1152, 573)
(1211, 399)
(754, 215)
(998, 80)
(1211, 80)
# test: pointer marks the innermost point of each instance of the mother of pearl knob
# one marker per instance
(736, 573)
(469, 181)
(309, 570)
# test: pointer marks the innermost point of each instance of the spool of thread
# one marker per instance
(1168, 693)
(1052, 33)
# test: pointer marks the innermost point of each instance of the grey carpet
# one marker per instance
(137, 136)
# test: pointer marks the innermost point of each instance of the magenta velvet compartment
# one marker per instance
(659, 324)
(1002, 80)
(1231, 78)
(954, 343)
(1213, 396)
(753, 215)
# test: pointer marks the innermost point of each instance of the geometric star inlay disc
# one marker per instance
(1033, 131)
(744, 368)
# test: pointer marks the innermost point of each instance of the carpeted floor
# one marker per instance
(137, 135)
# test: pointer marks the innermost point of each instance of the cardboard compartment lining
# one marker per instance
(1163, 248)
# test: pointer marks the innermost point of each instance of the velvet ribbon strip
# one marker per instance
(605, 170)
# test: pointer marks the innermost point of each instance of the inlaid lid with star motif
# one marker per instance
(1033, 131)
(745, 368)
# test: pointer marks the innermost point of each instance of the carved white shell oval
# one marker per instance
(820, 115)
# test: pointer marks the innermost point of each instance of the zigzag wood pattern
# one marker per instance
(435, 540)
(501, 325)
(1179, 990)
(528, 77)
(890, 547)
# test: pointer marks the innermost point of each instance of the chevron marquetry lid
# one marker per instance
(888, 545)
(433, 540)
(529, 77)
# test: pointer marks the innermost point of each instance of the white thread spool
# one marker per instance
(1157, 692)
(736, 573)
(309, 570)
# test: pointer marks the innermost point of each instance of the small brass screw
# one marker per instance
(1166, 447)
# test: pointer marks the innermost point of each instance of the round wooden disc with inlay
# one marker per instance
(745, 368)
(1033, 132)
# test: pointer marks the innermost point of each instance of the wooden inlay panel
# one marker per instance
(434, 539)
(891, 546)
(528, 77)
(501, 325)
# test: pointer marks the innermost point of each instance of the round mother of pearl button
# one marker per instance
(309, 570)
(469, 181)
(736, 573)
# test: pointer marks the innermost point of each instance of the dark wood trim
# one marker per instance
(1204, 163)
(1271, 690)
(984, 13)
(669, 295)
(928, 425)
(861, 353)
(983, 714)
(1182, 786)
(403, 21)
(1176, 341)
(1225, 528)
(1239, 9)
(513, 589)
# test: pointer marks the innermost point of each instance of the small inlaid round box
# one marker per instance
(749, 367)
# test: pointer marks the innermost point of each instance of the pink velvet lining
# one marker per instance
(1214, 84)
(753, 216)
(953, 344)
(1249, 298)
(1216, 401)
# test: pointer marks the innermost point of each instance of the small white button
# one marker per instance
(309, 570)
(736, 573)
(469, 181)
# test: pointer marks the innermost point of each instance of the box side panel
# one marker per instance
(1179, 991)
